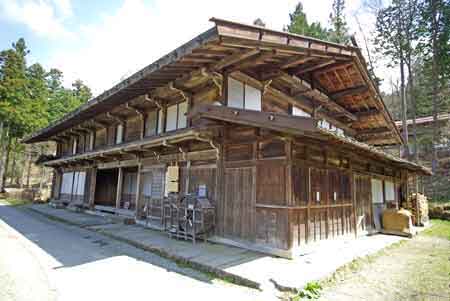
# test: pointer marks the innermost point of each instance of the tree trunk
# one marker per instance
(435, 90)
(404, 107)
(29, 170)
(412, 97)
(3, 155)
(42, 179)
(13, 168)
(5, 169)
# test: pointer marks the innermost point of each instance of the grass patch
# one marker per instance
(310, 292)
(14, 202)
(439, 228)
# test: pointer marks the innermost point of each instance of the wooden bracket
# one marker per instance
(138, 111)
(117, 118)
(153, 101)
(183, 152)
(266, 85)
(181, 92)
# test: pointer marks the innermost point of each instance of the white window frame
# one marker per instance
(74, 146)
(156, 123)
(119, 133)
(238, 99)
(180, 119)
(377, 191)
(389, 190)
(296, 111)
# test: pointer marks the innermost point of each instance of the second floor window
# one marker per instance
(151, 123)
(299, 112)
(119, 133)
(176, 116)
(243, 96)
(74, 146)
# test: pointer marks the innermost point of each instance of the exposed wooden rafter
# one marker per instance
(312, 68)
(350, 91)
(307, 90)
(252, 61)
(295, 61)
(303, 104)
(117, 118)
(235, 58)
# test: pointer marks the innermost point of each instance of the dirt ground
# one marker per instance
(416, 269)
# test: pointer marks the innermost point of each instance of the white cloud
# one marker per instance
(39, 16)
(64, 7)
(138, 32)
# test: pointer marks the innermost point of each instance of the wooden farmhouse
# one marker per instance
(277, 131)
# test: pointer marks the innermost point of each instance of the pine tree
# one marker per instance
(299, 25)
(339, 33)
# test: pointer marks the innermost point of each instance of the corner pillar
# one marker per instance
(138, 200)
(93, 184)
(119, 187)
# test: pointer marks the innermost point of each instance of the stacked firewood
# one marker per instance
(418, 205)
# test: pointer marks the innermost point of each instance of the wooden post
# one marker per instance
(138, 192)
(289, 196)
(188, 175)
(289, 182)
(353, 192)
(119, 187)
(56, 185)
(142, 134)
(92, 188)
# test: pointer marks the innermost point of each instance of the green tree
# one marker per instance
(299, 24)
(339, 33)
(30, 98)
(62, 100)
(395, 27)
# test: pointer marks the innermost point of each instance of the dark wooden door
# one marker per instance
(239, 206)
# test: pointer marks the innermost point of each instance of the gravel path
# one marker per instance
(45, 260)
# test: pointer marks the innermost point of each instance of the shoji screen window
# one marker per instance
(243, 96)
(119, 133)
(176, 116)
(151, 123)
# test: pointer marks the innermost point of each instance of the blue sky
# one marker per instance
(101, 42)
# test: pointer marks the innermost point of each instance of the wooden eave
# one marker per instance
(328, 79)
(300, 127)
(134, 147)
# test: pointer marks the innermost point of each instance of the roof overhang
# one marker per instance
(147, 145)
(330, 79)
(301, 127)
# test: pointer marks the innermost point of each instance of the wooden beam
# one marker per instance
(301, 70)
(252, 61)
(273, 121)
(303, 103)
(295, 61)
(374, 131)
(367, 114)
(350, 91)
(115, 117)
(307, 90)
(234, 58)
